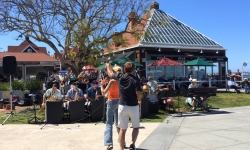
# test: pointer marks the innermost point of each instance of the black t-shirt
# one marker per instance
(128, 85)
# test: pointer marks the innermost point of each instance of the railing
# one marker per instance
(221, 83)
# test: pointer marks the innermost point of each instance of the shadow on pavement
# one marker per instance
(201, 113)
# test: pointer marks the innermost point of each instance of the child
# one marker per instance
(247, 89)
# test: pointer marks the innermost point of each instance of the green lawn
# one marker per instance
(222, 100)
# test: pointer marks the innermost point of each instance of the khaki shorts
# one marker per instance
(126, 112)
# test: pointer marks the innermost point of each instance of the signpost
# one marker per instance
(243, 65)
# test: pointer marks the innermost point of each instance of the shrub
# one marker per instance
(4, 86)
(33, 84)
(18, 85)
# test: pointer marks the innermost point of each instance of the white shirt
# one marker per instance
(153, 86)
(49, 93)
(231, 83)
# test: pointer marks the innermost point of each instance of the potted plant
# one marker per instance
(5, 90)
(18, 87)
(33, 85)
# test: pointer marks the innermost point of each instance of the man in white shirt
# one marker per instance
(232, 84)
(52, 92)
(191, 77)
(152, 84)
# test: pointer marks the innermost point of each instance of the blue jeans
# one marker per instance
(112, 112)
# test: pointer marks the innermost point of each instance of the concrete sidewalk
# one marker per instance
(222, 129)
(63, 137)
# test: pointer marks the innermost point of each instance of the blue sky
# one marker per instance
(225, 21)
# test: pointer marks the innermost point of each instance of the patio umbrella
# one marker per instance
(165, 62)
(198, 62)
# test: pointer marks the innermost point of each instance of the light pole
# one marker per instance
(243, 65)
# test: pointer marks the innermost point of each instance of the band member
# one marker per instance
(54, 77)
(52, 91)
(112, 90)
(62, 83)
(74, 94)
(69, 78)
(85, 74)
(130, 98)
(71, 94)
(93, 90)
(57, 96)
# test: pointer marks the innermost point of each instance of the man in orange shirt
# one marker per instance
(112, 89)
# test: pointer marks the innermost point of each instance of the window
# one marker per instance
(29, 50)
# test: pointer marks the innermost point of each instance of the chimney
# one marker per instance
(154, 5)
(132, 17)
(27, 38)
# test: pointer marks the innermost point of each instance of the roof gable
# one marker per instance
(29, 49)
(165, 30)
(24, 45)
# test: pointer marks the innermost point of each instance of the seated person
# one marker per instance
(91, 92)
(53, 91)
(162, 79)
(52, 94)
(169, 100)
(19, 75)
(232, 84)
(244, 81)
(195, 99)
(247, 88)
(143, 80)
(74, 94)
(191, 78)
(191, 74)
(214, 81)
(205, 81)
(152, 84)
(204, 78)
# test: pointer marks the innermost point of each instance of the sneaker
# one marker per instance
(132, 147)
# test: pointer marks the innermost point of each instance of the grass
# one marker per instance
(222, 100)
(21, 117)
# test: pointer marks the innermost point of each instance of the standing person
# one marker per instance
(112, 107)
(238, 75)
(152, 84)
(69, 79)
(130, 98)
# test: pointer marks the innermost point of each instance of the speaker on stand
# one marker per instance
(9, 68)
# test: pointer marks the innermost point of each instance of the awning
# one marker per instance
(206, 58)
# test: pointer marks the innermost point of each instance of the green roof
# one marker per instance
(163, 30)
